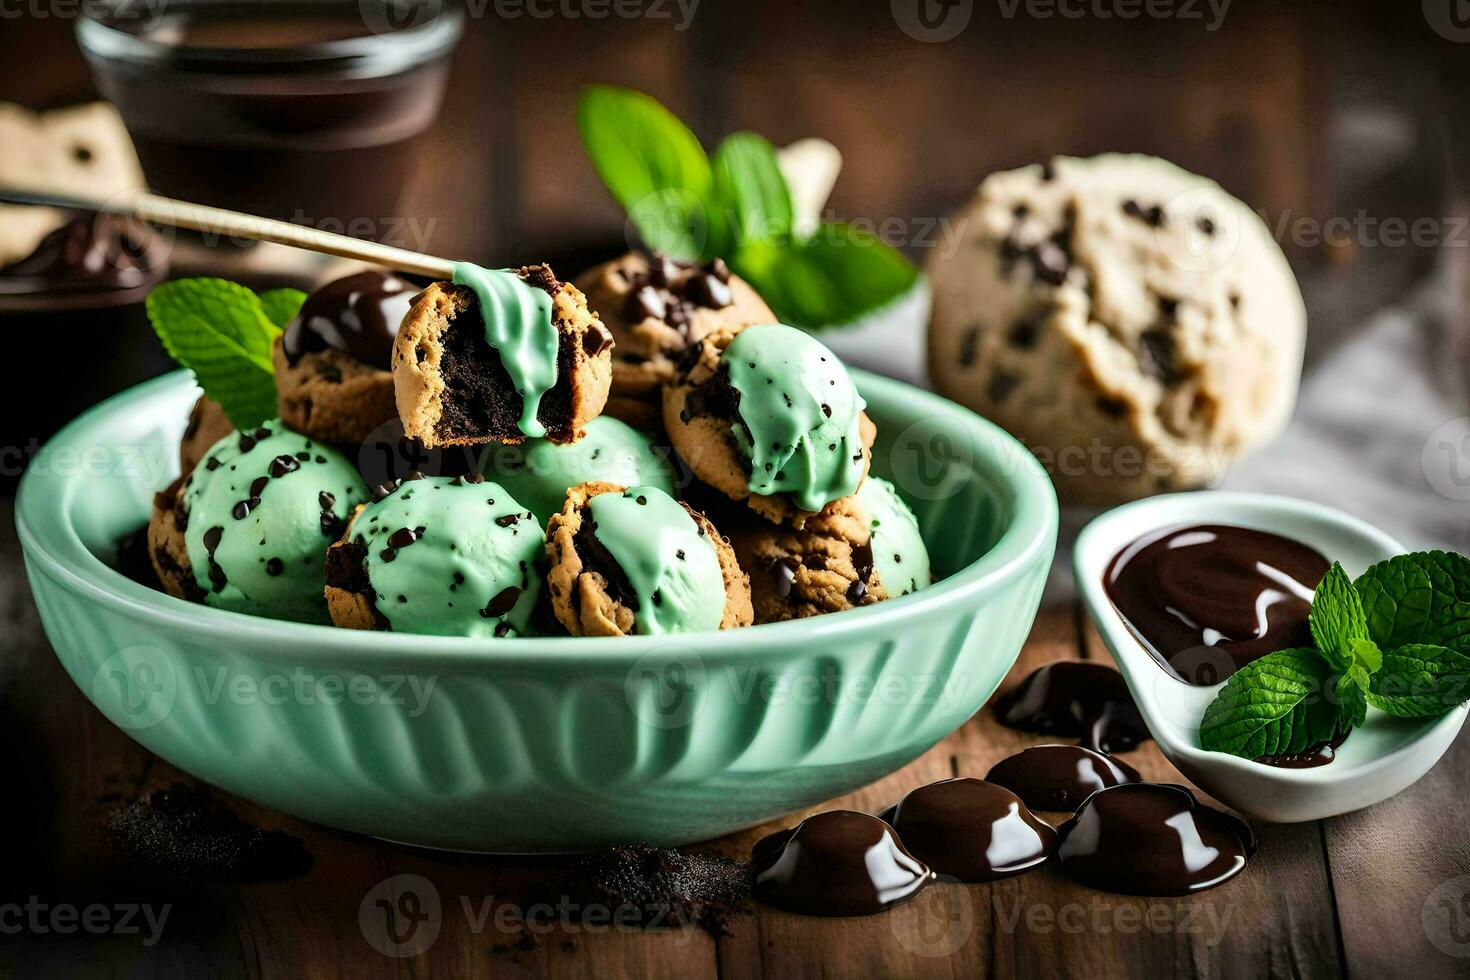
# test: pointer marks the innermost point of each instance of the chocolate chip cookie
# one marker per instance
(655, 308)
(537, 364)
(633, 560)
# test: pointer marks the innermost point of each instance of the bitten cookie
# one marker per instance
(207, 426)
(826, 566)
(1132, 322)
(249, 528)
(333, 377)
(655, 308)
(538, 364)
(437, 555)
(770, 416)
(634, 560)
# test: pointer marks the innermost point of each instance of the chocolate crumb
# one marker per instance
(655, 888)
(184, 830)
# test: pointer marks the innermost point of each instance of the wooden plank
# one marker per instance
(1401, 874)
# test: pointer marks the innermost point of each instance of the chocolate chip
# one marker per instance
(719, 269)
(507, 520)
(275, 566)
(661, 269)
(1168, 306)
(708, 291)
(1205, 224)
(643, 304)
(282, 465)
(1158, 356)
(504, 601)
(597, 338)
(857, 591)
(1050, 262)
(970, 347)
(1024, 334)
(1153, 215)
(326, 501)
(405, 536)
(468, 479)
(783, 572)
(383, 491)
(1112, 407)
(1002, 383)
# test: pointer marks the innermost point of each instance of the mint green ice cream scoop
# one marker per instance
(263, 507)
(539, 473)
(899, 554)
(799, 415)
(668, 559)
(451, 557)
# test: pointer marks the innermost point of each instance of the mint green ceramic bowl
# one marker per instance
(542, 744)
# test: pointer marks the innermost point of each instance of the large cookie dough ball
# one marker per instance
(1130, 321)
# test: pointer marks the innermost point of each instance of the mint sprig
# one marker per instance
(738, 208)
(1397, 639)
(1273, 705)
(1419, 598)
(223, 332)
(1421, 681)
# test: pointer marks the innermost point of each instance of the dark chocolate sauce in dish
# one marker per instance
(1059, 777)
(971, 830)
(1207, 600)
(838, 863)
(358, 315)
(1089, 702)
(1152, 839)
(88, 254)
(1310, 758)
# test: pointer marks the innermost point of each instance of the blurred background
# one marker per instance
(1331, 119)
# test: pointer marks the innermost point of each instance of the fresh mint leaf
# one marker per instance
(655, 168)
(1423, 598)
(749, 183)
(839, 275)
(1337, 618)
(1420, 681)
(1351, 691)
(1366, 656)
(221, 332)
(1277, 704)
(281, 305)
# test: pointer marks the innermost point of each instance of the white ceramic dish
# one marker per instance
(1380, 758)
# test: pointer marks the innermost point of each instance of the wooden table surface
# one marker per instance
(1375, 893)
